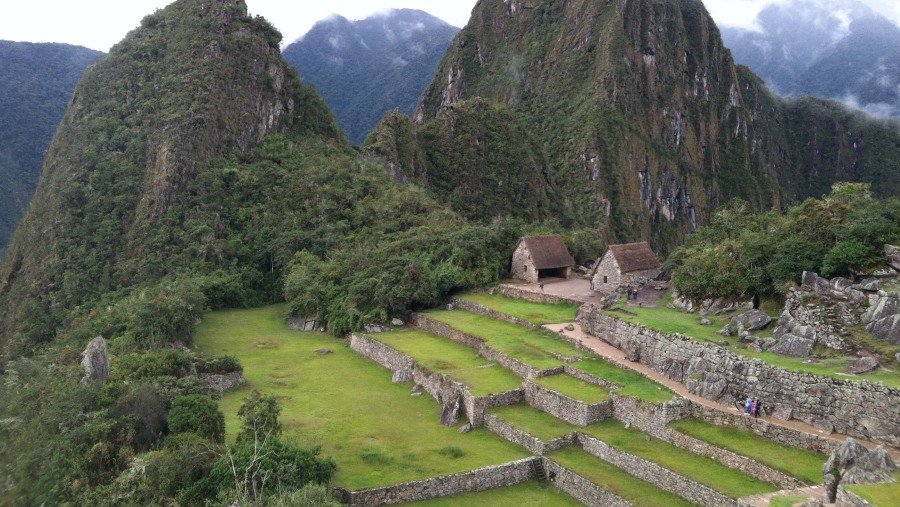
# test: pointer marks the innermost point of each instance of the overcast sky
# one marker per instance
(98, 24)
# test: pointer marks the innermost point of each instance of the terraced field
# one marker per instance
(381, 435)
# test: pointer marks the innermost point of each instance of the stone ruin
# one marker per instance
(852, 463)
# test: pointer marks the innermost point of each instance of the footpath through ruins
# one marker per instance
(579, 290)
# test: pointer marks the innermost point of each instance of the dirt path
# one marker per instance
(618, 357)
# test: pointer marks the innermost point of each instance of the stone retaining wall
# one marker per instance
(512, 434)
(469, 306)
(773, 432)
(481, 479)
(857, 408)
(518, 367)
(582, 489)
(382, 354)
(565, 408)
(648, 417)
(589, 378)
(534, 297)
(655, 474)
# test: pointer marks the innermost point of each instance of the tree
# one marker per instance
(259, 418)
(197, 413)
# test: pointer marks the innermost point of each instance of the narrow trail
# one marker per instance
(618, 357)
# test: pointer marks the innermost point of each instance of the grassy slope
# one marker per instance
(703, 470)
(670, 320)
(616, 480)
(527, 494)
(456, 360)
(394, 437)
(881, 495)
(634, 384)
(804, 465)
(533, 347)
(574, 388)
(533, 421)
(537, 313)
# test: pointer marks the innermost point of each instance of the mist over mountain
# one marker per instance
(837, 49)
(368, 67)
(36, 82)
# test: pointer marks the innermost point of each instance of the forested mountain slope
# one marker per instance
(36, 83)
(368, 67)
(630, 116)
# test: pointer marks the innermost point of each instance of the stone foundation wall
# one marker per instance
(580, 488)
(535, 445)
(656, 475)
(534, 297)
(469, 482)
(649, 417)
(518, 367)
(856, 408)
(567, 409)
(774, 432)
(469, 306)
(388, 357)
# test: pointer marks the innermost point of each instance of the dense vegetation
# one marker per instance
(633, 121)
(36, 83)
(742, 253)
(366, 68)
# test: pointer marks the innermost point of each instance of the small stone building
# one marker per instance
(626, 265)
(539, 257)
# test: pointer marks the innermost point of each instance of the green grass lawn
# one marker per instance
(531, 346)
(376, 432)
(881, 495)
(616, 480)
(456, 360)
(701, 469)
(527, 494)
(536, 313)
(787, 501)
(533, 421)
(633, 383)
(671, 320)
(804, 465)
(574, 388)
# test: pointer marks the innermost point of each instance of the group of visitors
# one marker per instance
(752, 406)
(632, 294)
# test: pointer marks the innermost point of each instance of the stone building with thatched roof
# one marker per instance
(631, 264)
(539, 257)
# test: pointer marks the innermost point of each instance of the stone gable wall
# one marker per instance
(656, 475)
(856, 408)
(481, 479)
(567, 409)
(608, 268)
(535, 445)
(483, 310)
(582, 489)
(522, 267)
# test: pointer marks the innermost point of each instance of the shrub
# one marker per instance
(197, 414)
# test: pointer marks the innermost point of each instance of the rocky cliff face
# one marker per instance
(197, 80)
(633, 113)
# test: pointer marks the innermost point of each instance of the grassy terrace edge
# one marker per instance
(536, 313)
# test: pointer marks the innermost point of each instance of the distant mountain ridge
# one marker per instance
(365, 68)
(836, 49)
(36, 82)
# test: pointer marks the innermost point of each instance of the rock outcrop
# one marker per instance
(852, 463)
(882, 319)
(95, 361)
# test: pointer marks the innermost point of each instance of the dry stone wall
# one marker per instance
(656, 475)
(512, 434)
(649, 417)
(534, 297)
(565, 408)
(481, 479)
(582, 489)
(856, 408)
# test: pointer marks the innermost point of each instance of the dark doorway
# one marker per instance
(553, 273)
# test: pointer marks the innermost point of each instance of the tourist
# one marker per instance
(753, 406)
(541, 285)
(747, 403)
(757, 408)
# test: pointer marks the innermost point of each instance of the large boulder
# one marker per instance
(863, 365)
(892, 255)
(793, 345)
(95, 361)
(852, 463)
(882, 319)
(754, 320)
(451, 413)
(708, 306)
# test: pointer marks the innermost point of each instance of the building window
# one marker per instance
(604, 279)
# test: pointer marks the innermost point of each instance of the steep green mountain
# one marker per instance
(368, 67)
(628, 116)
(36, 83)
(838, 49)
